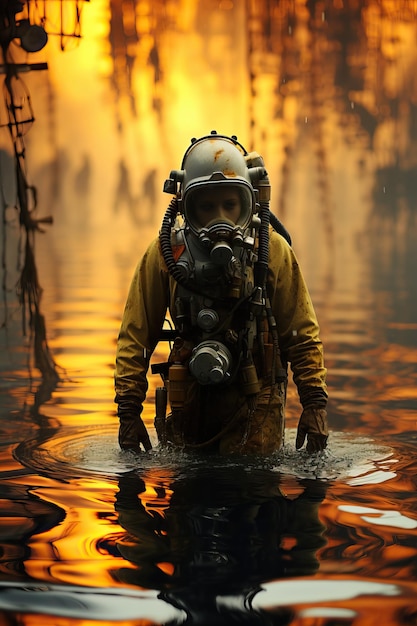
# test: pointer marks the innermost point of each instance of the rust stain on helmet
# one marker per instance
(229, 172)
(218, 154)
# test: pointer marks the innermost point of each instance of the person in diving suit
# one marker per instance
(241, 312)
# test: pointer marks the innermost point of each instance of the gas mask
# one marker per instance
(218, 213)
(213, 166)
(221, 237)
(212, 163)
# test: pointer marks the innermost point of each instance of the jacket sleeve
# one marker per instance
(142, 320)
(298, 329)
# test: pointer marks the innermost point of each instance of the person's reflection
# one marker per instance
(223, 533)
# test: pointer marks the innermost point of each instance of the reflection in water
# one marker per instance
(226, 530)
(206, 539)
(23, 515)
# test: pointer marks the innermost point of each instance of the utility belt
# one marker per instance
(211, 363)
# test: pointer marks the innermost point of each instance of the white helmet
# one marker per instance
(214, 160)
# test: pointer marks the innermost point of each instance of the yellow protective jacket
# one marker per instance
(152, 292)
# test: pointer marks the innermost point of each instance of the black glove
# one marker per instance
(313, 424)
(132, 430)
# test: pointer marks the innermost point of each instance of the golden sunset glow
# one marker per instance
(326, 93)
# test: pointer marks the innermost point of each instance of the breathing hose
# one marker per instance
(165, 241)
(279, 227)
(263, 250)
(262, 266)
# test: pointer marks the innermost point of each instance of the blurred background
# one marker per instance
(97, 112)
(99, 102)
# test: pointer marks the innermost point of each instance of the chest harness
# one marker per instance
(225, 332)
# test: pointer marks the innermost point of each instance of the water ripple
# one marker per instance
(351, 458)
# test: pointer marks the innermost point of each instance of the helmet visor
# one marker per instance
(206, 201)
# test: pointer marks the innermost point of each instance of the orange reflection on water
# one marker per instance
(76, 551)
(69, 552)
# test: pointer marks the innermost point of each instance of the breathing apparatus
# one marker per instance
(219, 160)
(217, 262)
